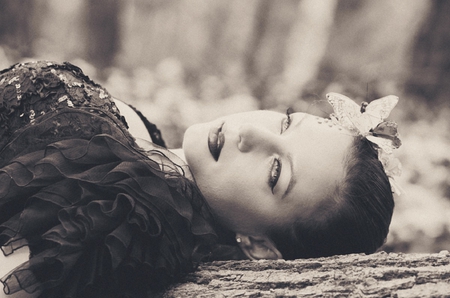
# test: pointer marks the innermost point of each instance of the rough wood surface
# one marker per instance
(377, 275)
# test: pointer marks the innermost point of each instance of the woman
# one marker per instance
(106, 214)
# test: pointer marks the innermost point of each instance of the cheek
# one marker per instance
(221, 184)
(222, 190)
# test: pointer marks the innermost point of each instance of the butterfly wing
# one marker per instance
(388, 130)
(347, 113)
(378, 110)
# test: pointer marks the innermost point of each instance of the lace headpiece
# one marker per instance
(369, 121)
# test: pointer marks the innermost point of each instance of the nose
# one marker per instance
(252, 138)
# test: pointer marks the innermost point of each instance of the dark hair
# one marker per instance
(354, 220)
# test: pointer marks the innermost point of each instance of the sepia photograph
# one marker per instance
(224, 148)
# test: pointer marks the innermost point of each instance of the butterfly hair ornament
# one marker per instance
(369, 121)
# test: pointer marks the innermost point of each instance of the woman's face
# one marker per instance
(263, 168)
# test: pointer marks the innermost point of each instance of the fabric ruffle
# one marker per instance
(110, 215)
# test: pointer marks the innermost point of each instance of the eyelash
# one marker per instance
(275, 170)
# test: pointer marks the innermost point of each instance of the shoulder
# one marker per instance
(136, 126)
(139, 126)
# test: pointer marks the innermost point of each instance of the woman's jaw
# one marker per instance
(262, 169)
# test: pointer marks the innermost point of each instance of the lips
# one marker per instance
(216, 140)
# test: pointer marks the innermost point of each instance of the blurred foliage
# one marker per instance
(186, 61)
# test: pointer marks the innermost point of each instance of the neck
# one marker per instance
(180, 153)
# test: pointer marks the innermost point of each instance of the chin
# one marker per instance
(194, 144)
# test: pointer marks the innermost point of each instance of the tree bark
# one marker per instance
(377, 275)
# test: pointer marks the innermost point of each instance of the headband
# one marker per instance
(368, 120)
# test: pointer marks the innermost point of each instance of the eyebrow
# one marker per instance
(293, 179)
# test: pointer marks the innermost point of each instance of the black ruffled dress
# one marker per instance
(101, 216)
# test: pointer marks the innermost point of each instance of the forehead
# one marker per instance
(320, 150)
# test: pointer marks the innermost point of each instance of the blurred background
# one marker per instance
(186, 61)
